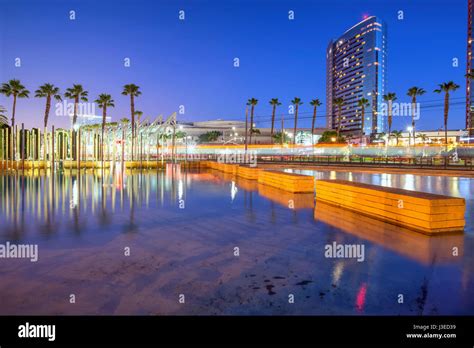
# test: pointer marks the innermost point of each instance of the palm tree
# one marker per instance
(423, 137)
(15, 89)
(446, 87)
(339, 102)
(296, 102)
(274, 102)
(390, 98)
(104, 101)
(77, 93)
(413, 92)
(362, 103)
(133, 91)
(47, 91)
(397, 134)
(252, 102)
(314, 103)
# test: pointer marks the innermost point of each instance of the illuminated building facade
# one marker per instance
(470, 67)
(356, 68)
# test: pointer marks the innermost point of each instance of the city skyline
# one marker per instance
(206, 83)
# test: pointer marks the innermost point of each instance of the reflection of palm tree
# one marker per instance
(446, 87)
(296, 102)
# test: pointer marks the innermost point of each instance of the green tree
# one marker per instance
(279, 139)
(331, 137)
(296, 102)
(397, 135)
(210, 136)
(446, 87)
(414, 92)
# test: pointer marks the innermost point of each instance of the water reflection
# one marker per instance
(182, 227)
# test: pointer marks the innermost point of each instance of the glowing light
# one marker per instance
(360, 299)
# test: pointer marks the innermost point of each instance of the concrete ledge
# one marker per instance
(247, 172)
(420, 211)
(295, 183)
(287, 199)
(403, 241)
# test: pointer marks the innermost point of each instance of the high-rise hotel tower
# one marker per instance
(356, 68)
(470, 67)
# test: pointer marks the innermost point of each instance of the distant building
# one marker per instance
(233, 132)
(430, 137)
(356, 68)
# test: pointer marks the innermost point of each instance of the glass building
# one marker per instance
(470, 67)
(356, 68)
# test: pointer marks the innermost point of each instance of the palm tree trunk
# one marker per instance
(246, 127)
(251, 123)
(312, 125)
(13, 137)
(362, 124)
(413, 108)
(296, 123)
(132, 110)
(446, 109)
(104, 115)
(338, 128)
(273, 123)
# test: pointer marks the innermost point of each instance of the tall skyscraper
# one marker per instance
(356, 68)
(469, 81)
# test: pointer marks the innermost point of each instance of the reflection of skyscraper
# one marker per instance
(469, 82)
(356, 68)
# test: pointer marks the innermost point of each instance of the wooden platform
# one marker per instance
(423, 212)
(295, 183)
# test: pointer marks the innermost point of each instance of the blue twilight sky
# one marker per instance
(190, 62)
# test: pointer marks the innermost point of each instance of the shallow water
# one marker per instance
(133, 244)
